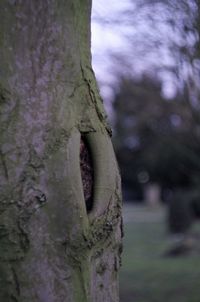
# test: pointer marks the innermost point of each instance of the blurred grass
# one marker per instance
(148, 276)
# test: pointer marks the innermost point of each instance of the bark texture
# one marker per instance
(52, 248)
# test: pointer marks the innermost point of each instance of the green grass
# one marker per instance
(148, 276)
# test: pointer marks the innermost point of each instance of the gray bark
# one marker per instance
(51, 248)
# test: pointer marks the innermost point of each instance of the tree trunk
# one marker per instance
(52, 247)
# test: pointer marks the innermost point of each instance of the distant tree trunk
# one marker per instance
(52, 247)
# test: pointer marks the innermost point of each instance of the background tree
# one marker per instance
(53, 248)
(157, 136)
(156, 37)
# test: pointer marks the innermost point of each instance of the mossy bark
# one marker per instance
(51, 248)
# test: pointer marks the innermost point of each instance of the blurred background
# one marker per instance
(146, 56)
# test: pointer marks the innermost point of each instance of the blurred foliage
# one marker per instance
(166, 39)
(156, 137)
(160, 37)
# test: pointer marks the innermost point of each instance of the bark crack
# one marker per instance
(16, 282)
(2, 156)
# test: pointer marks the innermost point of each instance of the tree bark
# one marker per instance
(52, 248)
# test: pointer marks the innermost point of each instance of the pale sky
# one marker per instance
(105, 39)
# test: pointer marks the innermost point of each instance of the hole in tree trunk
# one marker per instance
(86, 173)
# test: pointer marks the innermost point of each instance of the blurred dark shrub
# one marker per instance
(195, 203)
(156, 137)
(180, 215)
